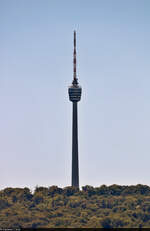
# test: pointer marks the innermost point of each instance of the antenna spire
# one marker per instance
(75, 80)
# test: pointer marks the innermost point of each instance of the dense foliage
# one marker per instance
(105, 206)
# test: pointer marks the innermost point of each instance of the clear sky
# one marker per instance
(113, 57)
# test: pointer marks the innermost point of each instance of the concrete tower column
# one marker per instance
(75, 161)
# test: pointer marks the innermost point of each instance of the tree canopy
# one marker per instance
(112, 206)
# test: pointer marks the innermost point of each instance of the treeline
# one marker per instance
(112, 206)
(115, 190)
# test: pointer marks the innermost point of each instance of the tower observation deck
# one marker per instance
(75, 96)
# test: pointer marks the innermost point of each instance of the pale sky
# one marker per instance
(113, 57)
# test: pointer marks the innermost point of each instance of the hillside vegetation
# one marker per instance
(105, 206)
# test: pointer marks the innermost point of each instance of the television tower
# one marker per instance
(75, 96)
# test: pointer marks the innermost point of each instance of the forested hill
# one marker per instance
(104, 206)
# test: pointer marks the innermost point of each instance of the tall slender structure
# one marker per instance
(75, 96)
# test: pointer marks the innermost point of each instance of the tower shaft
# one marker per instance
(75, 167)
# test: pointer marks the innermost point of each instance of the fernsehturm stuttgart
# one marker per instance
(75, 96)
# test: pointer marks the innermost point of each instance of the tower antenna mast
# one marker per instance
(75, 80)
